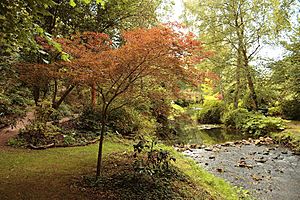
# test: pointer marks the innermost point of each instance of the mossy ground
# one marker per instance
(60, 174)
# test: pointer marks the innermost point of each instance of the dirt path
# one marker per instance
(7, 133)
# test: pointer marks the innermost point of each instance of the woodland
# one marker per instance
(110, 99)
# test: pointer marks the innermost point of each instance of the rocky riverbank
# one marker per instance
(269, 171)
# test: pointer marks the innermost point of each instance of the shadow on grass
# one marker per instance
(120, 181)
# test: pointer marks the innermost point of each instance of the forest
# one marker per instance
(150, 99)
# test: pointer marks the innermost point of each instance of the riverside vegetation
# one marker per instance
(118, 89)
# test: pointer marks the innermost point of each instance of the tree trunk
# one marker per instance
(253, 95)
(62, 98)
(93, 95)
(237, 85)
(99, 161)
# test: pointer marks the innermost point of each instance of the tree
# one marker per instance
(241, 27)
(159, 55)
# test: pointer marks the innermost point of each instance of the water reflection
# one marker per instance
(212, 135)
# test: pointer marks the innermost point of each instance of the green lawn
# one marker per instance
(53, 173)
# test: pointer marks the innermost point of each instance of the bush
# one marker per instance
(291, 109)
(253, 123)
(275, 111)
(12, 107)
(39, 133)
(89, 120)
(151, 161)
(211, 112)
(236, 118)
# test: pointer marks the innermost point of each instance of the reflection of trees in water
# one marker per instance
(194, 135)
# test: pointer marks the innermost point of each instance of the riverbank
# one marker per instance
(290, 137)
(269, 171)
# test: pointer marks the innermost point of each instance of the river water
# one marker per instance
(267, 171)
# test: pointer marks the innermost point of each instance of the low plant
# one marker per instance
(291, 109)
(38, 133)
(211, 112)
(151, 161)
(89, 120)
(251, 122)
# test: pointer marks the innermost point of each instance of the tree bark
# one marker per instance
(93, 95)
(238, 82)
(253, 95)
(99, 161)
(62, 98)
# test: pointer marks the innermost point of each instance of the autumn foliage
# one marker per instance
(159, 56)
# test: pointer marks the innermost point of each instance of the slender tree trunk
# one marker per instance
(93, 95)
(99, 161)
(54, 92)
(62, 98)
(253, 95)
(238, 82)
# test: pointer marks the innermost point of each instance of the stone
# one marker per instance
(256, 178)
(208, 149)
(261, 160)
(220, 170)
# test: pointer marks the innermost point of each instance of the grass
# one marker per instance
(218, 188)
(58, 174)
(47, 174)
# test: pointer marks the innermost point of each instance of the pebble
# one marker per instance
(208, 149)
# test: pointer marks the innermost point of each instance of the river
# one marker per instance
(268, 171)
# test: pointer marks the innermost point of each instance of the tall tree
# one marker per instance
(242, 27)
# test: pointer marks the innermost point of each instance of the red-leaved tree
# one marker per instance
(161, 55)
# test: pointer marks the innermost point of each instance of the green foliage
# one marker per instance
(151, 161)
(211, 112)
(64, 110)
(253, 123)
(235, 118)
(12, 105)
(16, 142)
(89, 120)
(291, 109)
(129, 121)
(275, 111)
(182, 102)
(289, 137)
(38, 133)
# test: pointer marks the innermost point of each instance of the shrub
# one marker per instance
(291, 109)
(89, 120)
(253, 123)
(211, 112)
(151, 161)
(12, 106)
(275, 111)
(235, 118)
(260, 125)
(125, 121)
(39, 133)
